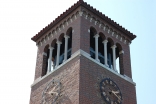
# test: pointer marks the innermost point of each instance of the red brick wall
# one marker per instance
(39, 61)
(69, 77)
(90, 76)
(75, 44)
(85, 43)
(81, 84)
(81, 80)
(81, 40)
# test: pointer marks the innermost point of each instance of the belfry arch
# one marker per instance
(119, 57)
(77, 56)
(101, 47)
(45, 60)
(93, 33)
(68, 38)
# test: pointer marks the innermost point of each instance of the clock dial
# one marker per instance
(51, 92)
(110, 91)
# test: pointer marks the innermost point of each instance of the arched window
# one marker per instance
(54, 54)
(58, 52)
(109, 53)
(45, 60)
(119, 58)
(93, 32)
(62, 48)
(62, 40)
(69, 49)
(101, 48)
(66, 46)
(105, 51)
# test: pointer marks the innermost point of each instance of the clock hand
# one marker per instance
(114, 92)
(52, 91)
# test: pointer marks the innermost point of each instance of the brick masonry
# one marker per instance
(81, 84)
(85, 39)
(80, 77)
(91, 75)
(69, 78)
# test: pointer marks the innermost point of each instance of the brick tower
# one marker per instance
(77, 59)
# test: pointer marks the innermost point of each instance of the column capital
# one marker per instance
(96, 36)
(45, 54)
(66, 36)
(105, 41)
(51, 48)
(58, 42)
(121, 52)
(114, 46)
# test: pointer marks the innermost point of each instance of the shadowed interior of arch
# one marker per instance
(54, 45)
(101, 50)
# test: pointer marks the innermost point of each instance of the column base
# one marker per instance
(115, 70)
(64, 60)
(97, 60)
(55, 66)
(106, 65)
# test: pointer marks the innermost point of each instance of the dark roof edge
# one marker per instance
(72, 8)
(54, 22)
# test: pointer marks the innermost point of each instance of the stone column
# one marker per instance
(105, 52)
(96, 47)
(114, 57)
(50, 58)
(58, 52)
(66, 47)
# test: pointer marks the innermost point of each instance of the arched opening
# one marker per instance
(92, 42)
(69, 49)
(119, 59)
(101, 48)
(45, 60)
(109, 53)
(54, 54)
(62, 40)
(65, 46)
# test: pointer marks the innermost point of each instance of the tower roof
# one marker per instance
(72, 8)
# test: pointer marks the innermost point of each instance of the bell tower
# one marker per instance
(83, 57)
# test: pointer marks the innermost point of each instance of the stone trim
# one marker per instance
(90, 17)
(58, 28)
(105, 26)
(85, 54)
(90, 8)
(121, 52)
(45, 54)
(86, 13)
(77, 53)
(121, 76)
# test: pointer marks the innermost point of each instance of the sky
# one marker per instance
(22, 19)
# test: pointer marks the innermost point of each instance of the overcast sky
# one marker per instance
(22, 19)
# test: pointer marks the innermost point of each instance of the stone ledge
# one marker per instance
(85, 54)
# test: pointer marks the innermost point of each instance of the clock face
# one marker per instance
(51, 92)
(110, 91)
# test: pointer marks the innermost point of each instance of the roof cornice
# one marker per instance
(72, 8)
